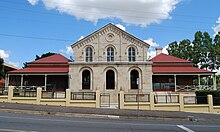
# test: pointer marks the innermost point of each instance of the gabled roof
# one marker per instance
(51, 64)
(57, 58)
(9, 66)
(113, 28)
(168, 58)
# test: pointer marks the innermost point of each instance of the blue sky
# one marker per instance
(33, 27)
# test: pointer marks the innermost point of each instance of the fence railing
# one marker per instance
(3, 91)
(216, 101)
(166, 99)
(24, 92)
(195, 100)
(53, 95)
(137, 97)
(83, 95)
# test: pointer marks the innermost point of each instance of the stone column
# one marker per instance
(10, 93)
(97, 99)
(181, 102)
(151, 101)
(122, 95)
(68, 97)
(210, 103)
(39, 92)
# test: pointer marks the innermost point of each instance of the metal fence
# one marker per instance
(53, 95)
(216, 101)
(3, 91)
(195, 100)
(83, 95)
(166, 99)
(136, 97)
(24, 92)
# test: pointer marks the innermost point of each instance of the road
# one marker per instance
(11, 122)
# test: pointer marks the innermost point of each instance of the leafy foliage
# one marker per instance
(44, 55)
(204, 51)
(215, 94)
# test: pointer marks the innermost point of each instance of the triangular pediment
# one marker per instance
(110, 28)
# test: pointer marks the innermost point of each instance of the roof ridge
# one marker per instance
(56, 58)
(168, 58)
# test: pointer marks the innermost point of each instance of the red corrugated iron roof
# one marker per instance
(57, 58)
(168, 58)
(41, 70)
(173, 69)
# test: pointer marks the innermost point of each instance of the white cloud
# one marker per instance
(33, 2)
(151, 54)
(81, 37)
(137, 12)
(16, 64)
(121, 27)
(68, 50)
(4, 54)
(151, 43)
(217, 27)
(165, 49)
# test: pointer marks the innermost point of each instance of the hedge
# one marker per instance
(203, 93)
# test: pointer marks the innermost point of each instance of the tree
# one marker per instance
(214, 55)
(40, 57)
(197, 48)
(44, 55)
(2, 73)
(203, 51)
(216, 40)
(182, 50)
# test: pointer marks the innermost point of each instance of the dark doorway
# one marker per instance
(134, 76)
(86, 79)
(110, 79)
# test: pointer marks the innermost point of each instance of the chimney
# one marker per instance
(158, 51)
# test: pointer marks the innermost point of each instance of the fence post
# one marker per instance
(151, 101)
(68, 97)
(181, 102)
(210, 102)
(39, 93)
(97, 99)
(10, 93)
(122, 99)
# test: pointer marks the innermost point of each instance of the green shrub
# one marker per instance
(203, 93)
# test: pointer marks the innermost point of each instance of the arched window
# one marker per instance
(89, 54)
(134, 79)
(110, 54)
(131, 54)
(110, 79)
(86, 79)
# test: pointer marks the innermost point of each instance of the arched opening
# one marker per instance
(110, 79)
(134, 79)
(89, 54)
(131, 54)
(110, 54)
(86, 79)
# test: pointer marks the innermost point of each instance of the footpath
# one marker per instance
(106, 112)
